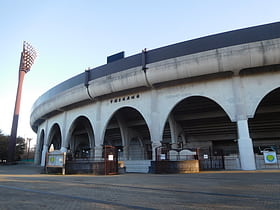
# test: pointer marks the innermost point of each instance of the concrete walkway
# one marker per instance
(24, 187)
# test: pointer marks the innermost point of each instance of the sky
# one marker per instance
(72, 35)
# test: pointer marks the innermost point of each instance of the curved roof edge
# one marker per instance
(225, 39)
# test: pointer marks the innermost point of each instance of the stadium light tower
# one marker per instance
(28, 56)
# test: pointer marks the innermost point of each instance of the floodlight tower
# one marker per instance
(28, 56)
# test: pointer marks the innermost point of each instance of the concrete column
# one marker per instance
(64, 145)
(245, 145)
(176, 132)
(63, 149)
(154, 126)
(98, 152)
(125, 152)
(173, 130)
(92, 152)
(44, 152)
(155, 145)
(38, 152)
(37, 157)
(124, 135)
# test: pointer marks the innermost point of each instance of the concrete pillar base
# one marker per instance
(155, 145)
(245, 145)
(44, 152)
(98, 152)
(37, 158)
(63, 149)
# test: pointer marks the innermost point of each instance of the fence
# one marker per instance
(260, 163)
(105, 165)
(205, 157)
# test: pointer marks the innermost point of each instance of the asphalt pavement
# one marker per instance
(25, 187)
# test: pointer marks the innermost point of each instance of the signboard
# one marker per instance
(56, 159)
(110, 157)
(162, 156)
(270, 157)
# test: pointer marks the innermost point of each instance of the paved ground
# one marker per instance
(23, 187)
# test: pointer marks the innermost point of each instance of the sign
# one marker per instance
(56, 159)
(270, 157)
(162, 156)
(110, 157)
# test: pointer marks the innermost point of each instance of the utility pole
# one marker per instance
(28, 147)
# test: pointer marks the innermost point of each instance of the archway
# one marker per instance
(40, 147)
(81, 142)
(55, 138)
(200, 123)
(265, 126)
(128, 131)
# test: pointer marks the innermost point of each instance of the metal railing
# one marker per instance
(260, 163)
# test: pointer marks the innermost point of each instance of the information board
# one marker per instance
(56, 159)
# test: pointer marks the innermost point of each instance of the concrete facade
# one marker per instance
(142, 107)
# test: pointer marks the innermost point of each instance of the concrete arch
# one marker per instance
(199, 122)
(110, 115)
(265, 126)
(83, 128)
(41, 139)
(127, 128)
(41, 136)
(40, 146)
(258, 86)
(55, 137)
(71, 126)
(260, 97)
(181, 99)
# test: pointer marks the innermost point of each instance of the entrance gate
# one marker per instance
(210, 160)
(110, 160)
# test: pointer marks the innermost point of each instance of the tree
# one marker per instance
(3, 146)
(20, 147)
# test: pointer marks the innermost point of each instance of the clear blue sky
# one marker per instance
(72, 35)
